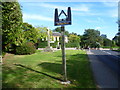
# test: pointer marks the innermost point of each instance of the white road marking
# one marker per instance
(110, 54)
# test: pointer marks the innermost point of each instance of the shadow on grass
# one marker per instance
(38, 72)
(78, 70)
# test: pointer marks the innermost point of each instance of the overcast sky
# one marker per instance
(85, 15)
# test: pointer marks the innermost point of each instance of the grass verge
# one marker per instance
(44, 70)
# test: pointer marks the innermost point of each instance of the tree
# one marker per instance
(42, 37)
(58, 29)
(107, 42)
(74, 38)
(30, 33)
(42, 32)
(11, 24)
(117, 39)
(90, 38)
(74, 41)
(74, 33)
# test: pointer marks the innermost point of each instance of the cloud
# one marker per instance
(81, 7)
(97, 20)
(110, 4)
(87, 14)
(36, 17)
(98, 28)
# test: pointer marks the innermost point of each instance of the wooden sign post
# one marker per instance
(62, 22)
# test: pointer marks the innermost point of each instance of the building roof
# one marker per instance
(57, 34)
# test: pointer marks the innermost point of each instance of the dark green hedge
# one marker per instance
(42, 44)
(72, 45)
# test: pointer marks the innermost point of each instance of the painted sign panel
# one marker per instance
(65, 21)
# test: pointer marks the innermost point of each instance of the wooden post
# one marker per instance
(63, 53)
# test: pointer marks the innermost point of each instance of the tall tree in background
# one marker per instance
(74, 38)
(90, 38)
(11, 24)
(107, 42)
(42, 32)
(117, 39)
(58, 29)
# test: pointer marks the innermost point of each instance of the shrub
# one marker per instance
(27, 48)
(72, 45)
(42, 44)
(54, 45)
(3, 53)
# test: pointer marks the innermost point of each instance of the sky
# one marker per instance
(101, 16)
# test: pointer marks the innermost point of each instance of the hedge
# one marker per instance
(27, 48)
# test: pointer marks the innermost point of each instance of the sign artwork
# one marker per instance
(65, 21)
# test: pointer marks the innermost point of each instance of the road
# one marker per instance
(106, 68)
(110, 58)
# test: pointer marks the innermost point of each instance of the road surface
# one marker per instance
(110, 58)
(106, 67)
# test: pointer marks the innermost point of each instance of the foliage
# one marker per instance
(27, 48)
(73, 38)
(117, 38)
(58, 29)
(118, 43)
(11, 24)
(72, 45)
(30, 33)
(90, 38)
(74, 41)
(42, 32)
(3, 54)
(42, 44)
(73, 33)
(107, 42)
(54, 45)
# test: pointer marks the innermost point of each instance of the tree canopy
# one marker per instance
(90, 38)
(42, 32)
(30, 33)
(11, 24)
(58, 29)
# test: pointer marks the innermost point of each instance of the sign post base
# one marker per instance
(67, 82)
(48, 49)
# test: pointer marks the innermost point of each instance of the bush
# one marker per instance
(42, 44)
(3, 53)
(27, 48)
(72, 45)
(54, 45)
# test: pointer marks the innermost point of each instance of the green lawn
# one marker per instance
(44, 70)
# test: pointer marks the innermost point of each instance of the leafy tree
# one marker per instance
(90, 38)
(30, 33)
(107, 42)
(117, 39)
(74, 38)
(42, 32)
(58, 29)
(74, 33)
(74, 41)
(11, 24)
